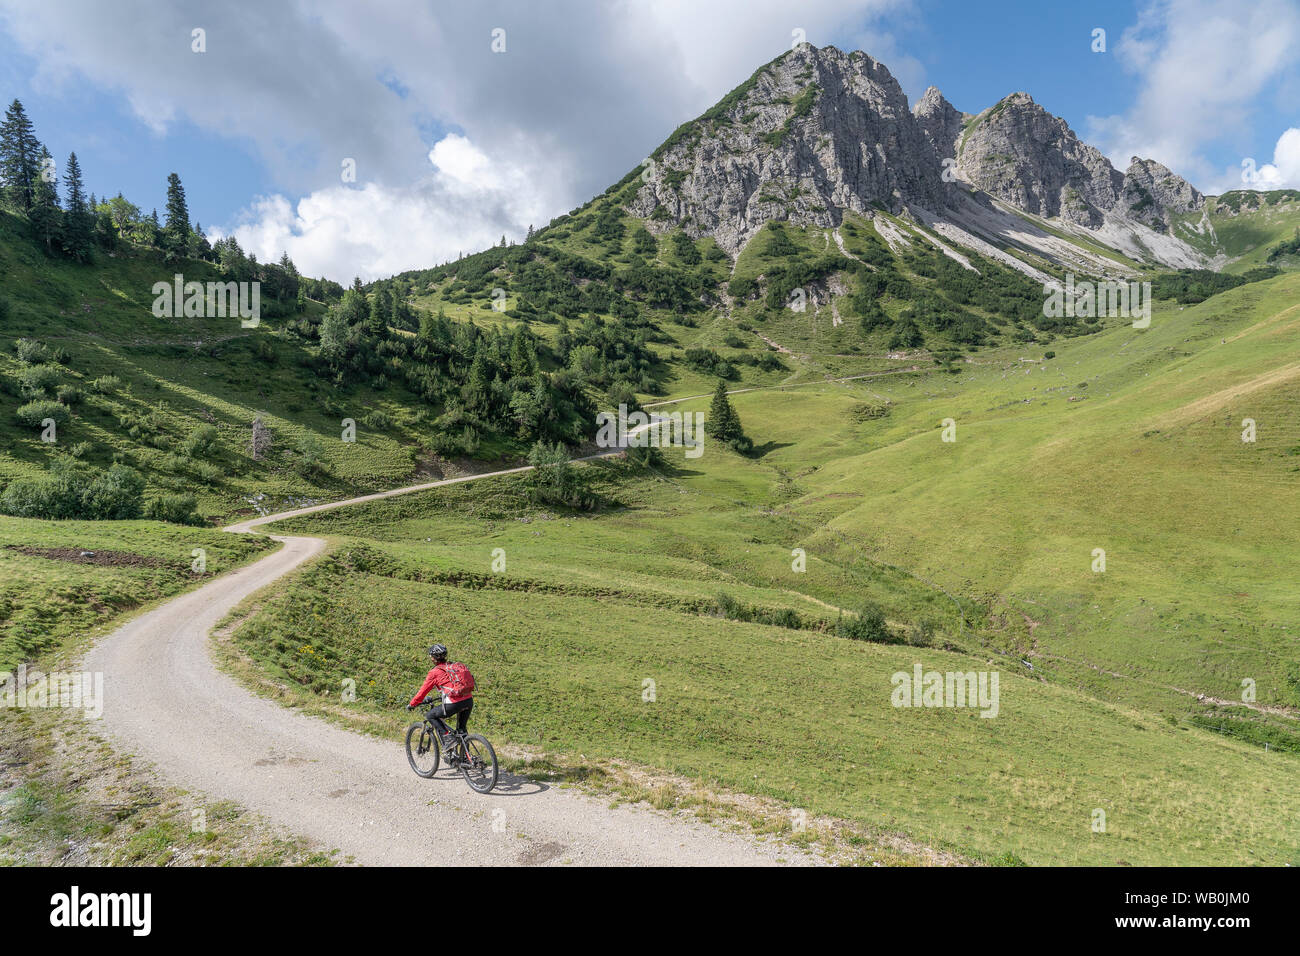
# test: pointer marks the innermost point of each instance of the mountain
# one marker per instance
(818, 132)
(812, 222)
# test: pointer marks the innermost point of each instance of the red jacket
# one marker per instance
(437, 678)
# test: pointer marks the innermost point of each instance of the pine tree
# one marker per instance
(523, 354)
(176, 234)
(202, 248)
(477, 389)
(722, 423)
(77, 224)
(20, 157)
(152, 229)
(378, 322)
(45, 215)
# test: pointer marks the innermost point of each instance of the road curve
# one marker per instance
(166, 702)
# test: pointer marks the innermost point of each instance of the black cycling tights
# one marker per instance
(460, 710)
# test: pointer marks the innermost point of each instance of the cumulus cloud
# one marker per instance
(1284, 171)
(1201, 66)
(465, 202)
(453, 143)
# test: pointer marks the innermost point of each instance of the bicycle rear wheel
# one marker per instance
(479, 764)
(422, 749)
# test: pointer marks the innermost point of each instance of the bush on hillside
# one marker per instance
(74, 490)
(867, 625)
(200, 441)
(30, 351)
(34, 414)
(70, 395)
(178, 509)
(36, 379)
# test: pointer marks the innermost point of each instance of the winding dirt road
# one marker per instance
(166, 701)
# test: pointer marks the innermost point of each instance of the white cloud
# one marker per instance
(582, 94)
(1284, 171)
(1201, 67)
(464, 203)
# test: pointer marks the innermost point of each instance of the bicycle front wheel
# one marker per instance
(422, 750)
(479, 764)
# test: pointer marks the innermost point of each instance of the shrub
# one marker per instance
(105, 384)
(33, 414)
(742, 287)
(867, 625)
(35, 379)
(73, 489)
(178, 509)
(378, 420)
(31, 351)
(209, 473)
(554, 480)
(200, 441)
(70, 394)
(310, 455)
(113, 495)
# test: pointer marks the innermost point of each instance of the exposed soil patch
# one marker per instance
(80, 556)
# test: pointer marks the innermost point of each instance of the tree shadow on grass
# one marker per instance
(771, 446)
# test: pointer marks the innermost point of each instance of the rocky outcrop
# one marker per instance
(1151, 193)
(1023, 155)
(941, 123)
(811, 134)
(818, 132)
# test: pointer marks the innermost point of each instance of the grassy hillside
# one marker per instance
(1122, 689)
(138, 387)
(1243, 226)
(61, 579)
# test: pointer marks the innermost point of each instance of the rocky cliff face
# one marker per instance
(1023, 155)
(809, 135)
(1151, 192)
(819, 131)
(941, 123)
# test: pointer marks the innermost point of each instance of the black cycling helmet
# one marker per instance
(438, 651)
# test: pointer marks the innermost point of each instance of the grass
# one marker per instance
(980, 550)
(51, 593)
(1121, 690)
(176, 375)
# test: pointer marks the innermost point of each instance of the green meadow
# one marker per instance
(1123, 685)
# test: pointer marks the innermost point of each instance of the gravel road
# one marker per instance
(165, 701)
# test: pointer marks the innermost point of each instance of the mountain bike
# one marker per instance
(471, 754)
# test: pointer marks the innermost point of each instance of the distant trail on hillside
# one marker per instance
(811, 381)
(166, 701)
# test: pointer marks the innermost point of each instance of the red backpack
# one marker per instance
(459, 680)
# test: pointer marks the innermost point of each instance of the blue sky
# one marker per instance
(455, 145)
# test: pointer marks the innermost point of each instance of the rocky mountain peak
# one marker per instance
(1023, 155)
(1152, 192)
(818, 131)
(940, 122)
(814, 132)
